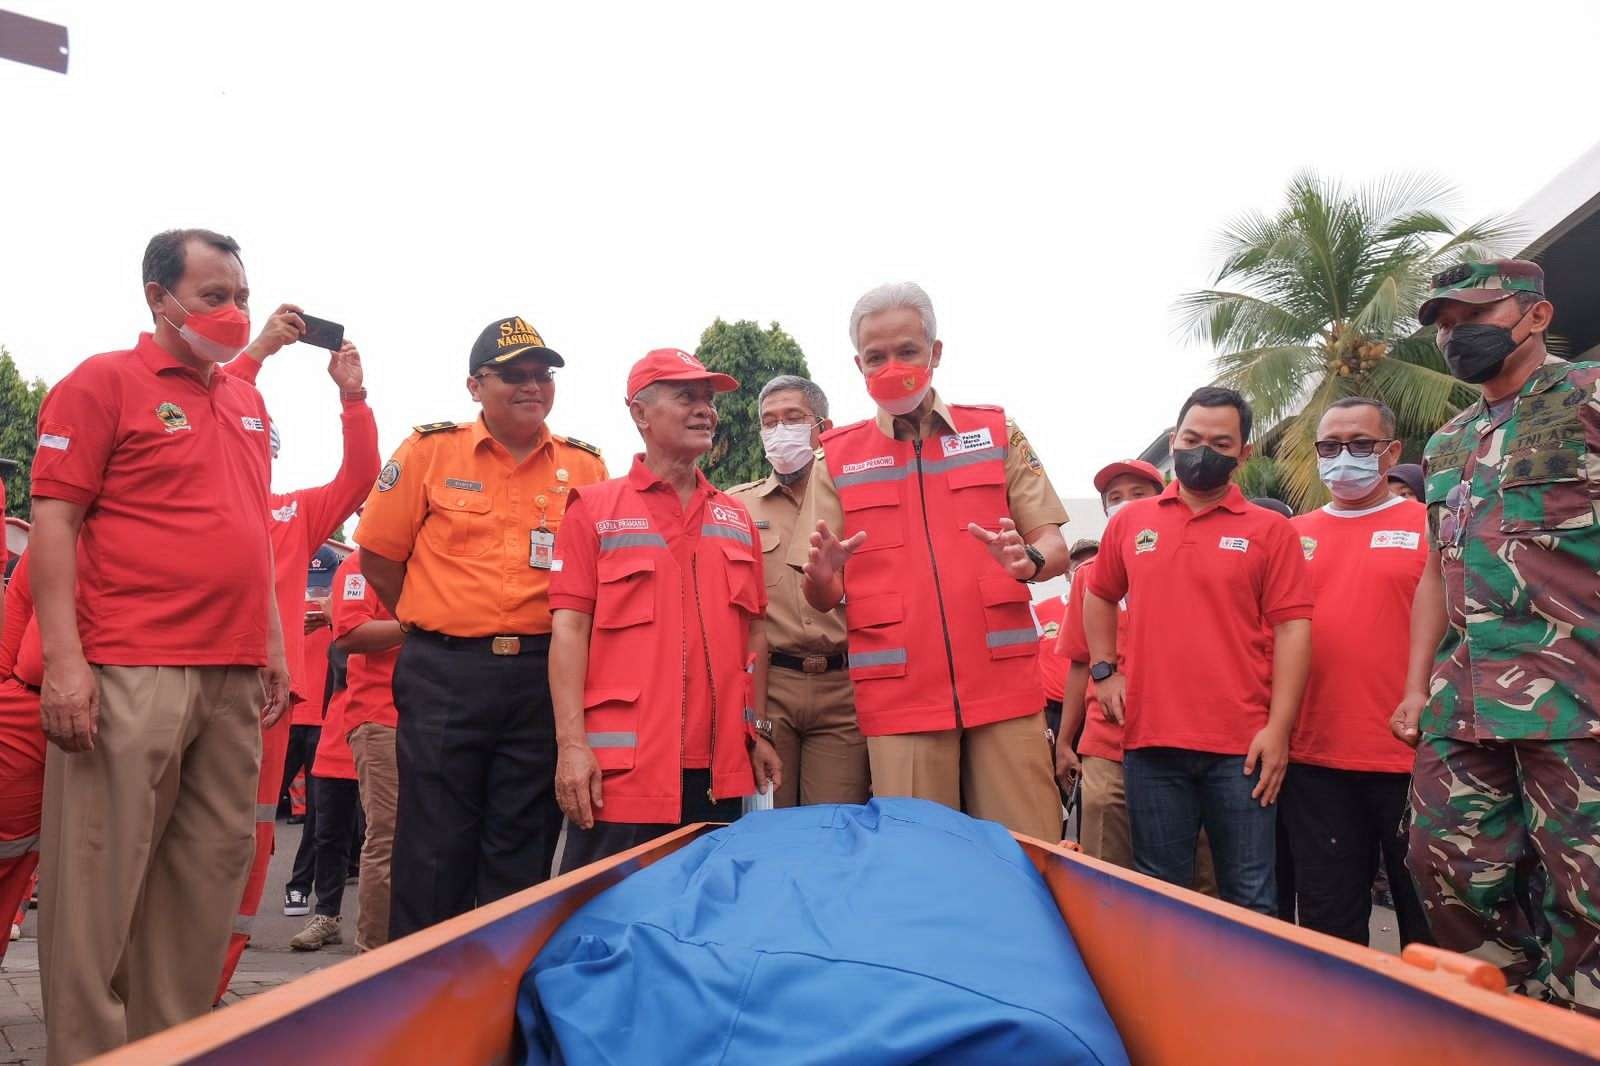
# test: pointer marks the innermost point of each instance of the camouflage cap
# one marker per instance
(1085, 546)
(1481, 283)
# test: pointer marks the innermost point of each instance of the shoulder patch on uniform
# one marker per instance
(1016, 439)
(388, 475)
(582, 444)
(436, 427)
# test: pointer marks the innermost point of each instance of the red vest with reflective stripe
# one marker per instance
(634, 693)
(937, 627)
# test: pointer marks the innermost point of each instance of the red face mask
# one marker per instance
(217, 335)
(899, 387)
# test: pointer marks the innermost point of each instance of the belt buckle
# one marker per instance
(506, 646)
(814, 664)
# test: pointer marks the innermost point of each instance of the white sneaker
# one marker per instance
(16, 931)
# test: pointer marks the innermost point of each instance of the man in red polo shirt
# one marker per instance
(1220, 630)
(1345, 793)
(657, 599)
(150, 489)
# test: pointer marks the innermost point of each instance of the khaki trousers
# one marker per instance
(1002, 771)
(814, 729)
(373, 746)
(1104, 832)
(146, 843)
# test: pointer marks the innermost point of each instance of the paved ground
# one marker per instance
(268, 962)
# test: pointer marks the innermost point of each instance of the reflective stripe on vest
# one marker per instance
(929, 466)
(266, 812)
(1004, 638)
(887, 657)
(613, 740)
(613, 541)
(11, 849)
(717, 529)
(242, 924)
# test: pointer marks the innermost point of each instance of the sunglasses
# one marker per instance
(1329, 449)
(521, 375)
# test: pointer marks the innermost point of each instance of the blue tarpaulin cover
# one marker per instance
(897, 932)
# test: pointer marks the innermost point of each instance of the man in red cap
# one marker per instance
(658, 665)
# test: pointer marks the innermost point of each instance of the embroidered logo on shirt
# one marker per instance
(971, 441)
(388, 475)
(1144, 541)
(1051, 629)
(1234, 544)
(355, 586)
(172, 417)
(614, 525)
(252, 424)
(1395, 538)
(54, 440)
(868, 464)
(1309, 546)
(287, 512)
(728, 516)
(467, 486)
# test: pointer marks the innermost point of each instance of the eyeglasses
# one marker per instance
(798, 420)
(1329, 449)
(521, 375)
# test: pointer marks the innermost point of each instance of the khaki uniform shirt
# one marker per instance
(793, 626)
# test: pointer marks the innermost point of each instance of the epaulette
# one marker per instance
(436, 427)
(740, 488)
(582, 445)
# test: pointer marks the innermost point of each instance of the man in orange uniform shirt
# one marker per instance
(301, 521)
(1344, 797)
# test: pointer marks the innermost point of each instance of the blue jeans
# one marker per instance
(1172, 793)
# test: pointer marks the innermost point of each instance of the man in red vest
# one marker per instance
(658, 655)
(945, 515)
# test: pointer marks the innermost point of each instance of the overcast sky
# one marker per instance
(621, 175)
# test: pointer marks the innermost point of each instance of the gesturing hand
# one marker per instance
(344, 367)
(829, 554)
(1007, 547)
(284, 327)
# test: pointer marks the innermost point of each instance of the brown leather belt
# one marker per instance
(809, 664)
(504, 644)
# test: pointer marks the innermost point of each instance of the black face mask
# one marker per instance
(1476, 352)
(1202, 469)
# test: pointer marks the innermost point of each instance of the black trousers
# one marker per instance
(580, 847)
(301, 753)
(338, 800)
(1340, 824)
(305, 856)
(476, 818)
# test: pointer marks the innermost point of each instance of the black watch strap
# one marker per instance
(1102, 670)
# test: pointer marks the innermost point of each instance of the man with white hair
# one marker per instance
(658, 657)
(944, 514)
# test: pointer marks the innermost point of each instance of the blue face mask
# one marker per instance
(1350, 477)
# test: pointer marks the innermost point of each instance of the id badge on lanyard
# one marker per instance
(541, 549)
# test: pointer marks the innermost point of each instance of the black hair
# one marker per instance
(1216, 396)
(164, 256)
(1385, 415)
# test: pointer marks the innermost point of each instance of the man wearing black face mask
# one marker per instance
(1503, 688)
(1222, 637)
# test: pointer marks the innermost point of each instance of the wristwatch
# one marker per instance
(1102, 670)
(1038, 561)
(762, 728)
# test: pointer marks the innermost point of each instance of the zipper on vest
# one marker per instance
(938, 590)
(711, 682)
(683, 697)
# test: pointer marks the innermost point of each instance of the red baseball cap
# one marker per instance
(673, 364)
(1136, 467)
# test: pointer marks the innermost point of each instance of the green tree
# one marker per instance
(19, 417)
(754, 356)
(1318, 301)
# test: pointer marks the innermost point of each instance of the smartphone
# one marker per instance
(322, 333)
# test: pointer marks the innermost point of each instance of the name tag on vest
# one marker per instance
(1234, 544)
(1395, 538)
(975, 440)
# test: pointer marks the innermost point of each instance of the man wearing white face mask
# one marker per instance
(810, 701)
(1345, 790)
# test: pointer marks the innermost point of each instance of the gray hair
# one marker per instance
(648, 394)
(813, 395)
(888, 297)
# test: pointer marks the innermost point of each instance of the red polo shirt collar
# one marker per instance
(644, 479)
(1233, 500)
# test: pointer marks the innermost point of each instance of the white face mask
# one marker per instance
(1349, 477)
(1114, 508)
(788, 447)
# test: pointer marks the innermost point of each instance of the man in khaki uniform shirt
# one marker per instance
(998, 769)
(809, 698)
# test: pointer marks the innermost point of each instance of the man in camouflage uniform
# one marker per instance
(1503, 697)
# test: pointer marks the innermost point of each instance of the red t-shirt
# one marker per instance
(311, 672)
(1204, 589)
(173, 556)
(1101, 738)
(1047, 614)
(574, 586)
(370, 675)
(334, 758)
(301, 521)
(1363, 568)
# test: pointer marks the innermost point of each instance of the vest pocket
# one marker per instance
(1009, 630)
(743, 582)
(874, 507)
(1546, 490)
(990, 473)
(610, 724)
(627, 591)
(877, 638)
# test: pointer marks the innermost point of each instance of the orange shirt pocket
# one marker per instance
(459, 522)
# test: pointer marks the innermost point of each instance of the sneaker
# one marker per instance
(319, 931)
(16, 931)
(296, 903)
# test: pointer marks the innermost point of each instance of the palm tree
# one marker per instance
(1318, 302)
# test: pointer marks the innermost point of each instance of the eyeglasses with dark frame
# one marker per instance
(520, 375)
(1360, 448)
